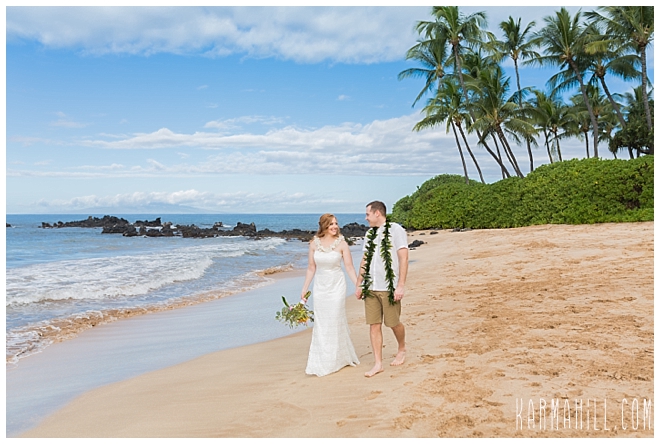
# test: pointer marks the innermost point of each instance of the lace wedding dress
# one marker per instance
(331, 347)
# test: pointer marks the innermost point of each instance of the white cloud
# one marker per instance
(238, 122)
(65, 122)
(380, 135)
(201, 87)
(156, 165)
(190, 198)
(302, 34)
(343, 97)
(28, 141)
(380, 148)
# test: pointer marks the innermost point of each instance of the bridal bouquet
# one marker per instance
(295, 315)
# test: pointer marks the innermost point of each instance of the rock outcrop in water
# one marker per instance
(90, 222)
(156, 228)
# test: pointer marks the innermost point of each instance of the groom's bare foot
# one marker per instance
(400, 358)
(378, 368)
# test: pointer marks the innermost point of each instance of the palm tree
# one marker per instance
(630, 26)
(438, 110)
(600, 107)
(461, 32)
(635, 135)
(608, 56)
(446, 106)
(432, 54)
(517, 45)
(495, 111)
(608, 124)
(458, 30)
(579, 122)
(563, 39)
(550, 115)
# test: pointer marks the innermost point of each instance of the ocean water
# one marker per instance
(62, 281)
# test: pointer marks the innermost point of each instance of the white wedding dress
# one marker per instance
(331, 347)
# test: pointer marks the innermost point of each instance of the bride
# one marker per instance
(331, 347)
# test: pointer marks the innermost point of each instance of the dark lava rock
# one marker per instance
(156, 228)
(354, 229)
(130, 231)
(90, 222)
(416, 243)
(8, 225)
(167, 231)
(242, 229)
(433, 232)
(154, 223)
(196, 232)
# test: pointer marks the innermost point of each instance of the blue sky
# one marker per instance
(230, 110)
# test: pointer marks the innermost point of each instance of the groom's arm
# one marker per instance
(402, 254)
(358, 283)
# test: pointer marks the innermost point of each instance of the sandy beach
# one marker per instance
(502, 326)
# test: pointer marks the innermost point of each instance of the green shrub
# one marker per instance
(576, 191)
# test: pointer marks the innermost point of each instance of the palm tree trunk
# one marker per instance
(613, 103)
(547, 146)
(460, 150)
(467, 145)
(529, 145)
(558, 148)
(586, 141)
(499, 155)
(594, 123)
(531, 159)
(508, 151)
(645, 94)
(507, 155)
(630, 153)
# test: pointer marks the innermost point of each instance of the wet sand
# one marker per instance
(57, 330)
(500, 324)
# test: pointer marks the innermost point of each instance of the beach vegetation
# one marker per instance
(470, 93)
(576, 191)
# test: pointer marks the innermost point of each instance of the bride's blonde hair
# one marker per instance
(324, 224)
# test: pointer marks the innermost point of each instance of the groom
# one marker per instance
(378, 303)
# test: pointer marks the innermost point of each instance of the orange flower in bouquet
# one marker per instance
(295, 315)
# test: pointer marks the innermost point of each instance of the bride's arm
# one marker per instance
(311, 269)
(348, 262)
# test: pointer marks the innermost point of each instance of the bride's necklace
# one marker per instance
(329, 248)
(385, 245)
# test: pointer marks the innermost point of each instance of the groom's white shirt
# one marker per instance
(399, 239)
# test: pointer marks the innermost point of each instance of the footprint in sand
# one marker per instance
(342, 422)
(373, 395)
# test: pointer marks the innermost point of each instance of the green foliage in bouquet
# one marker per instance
(295, 315)
(583, 191)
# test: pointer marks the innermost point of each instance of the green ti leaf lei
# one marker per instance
(385, 246)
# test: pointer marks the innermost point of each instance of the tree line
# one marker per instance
(470, 94)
